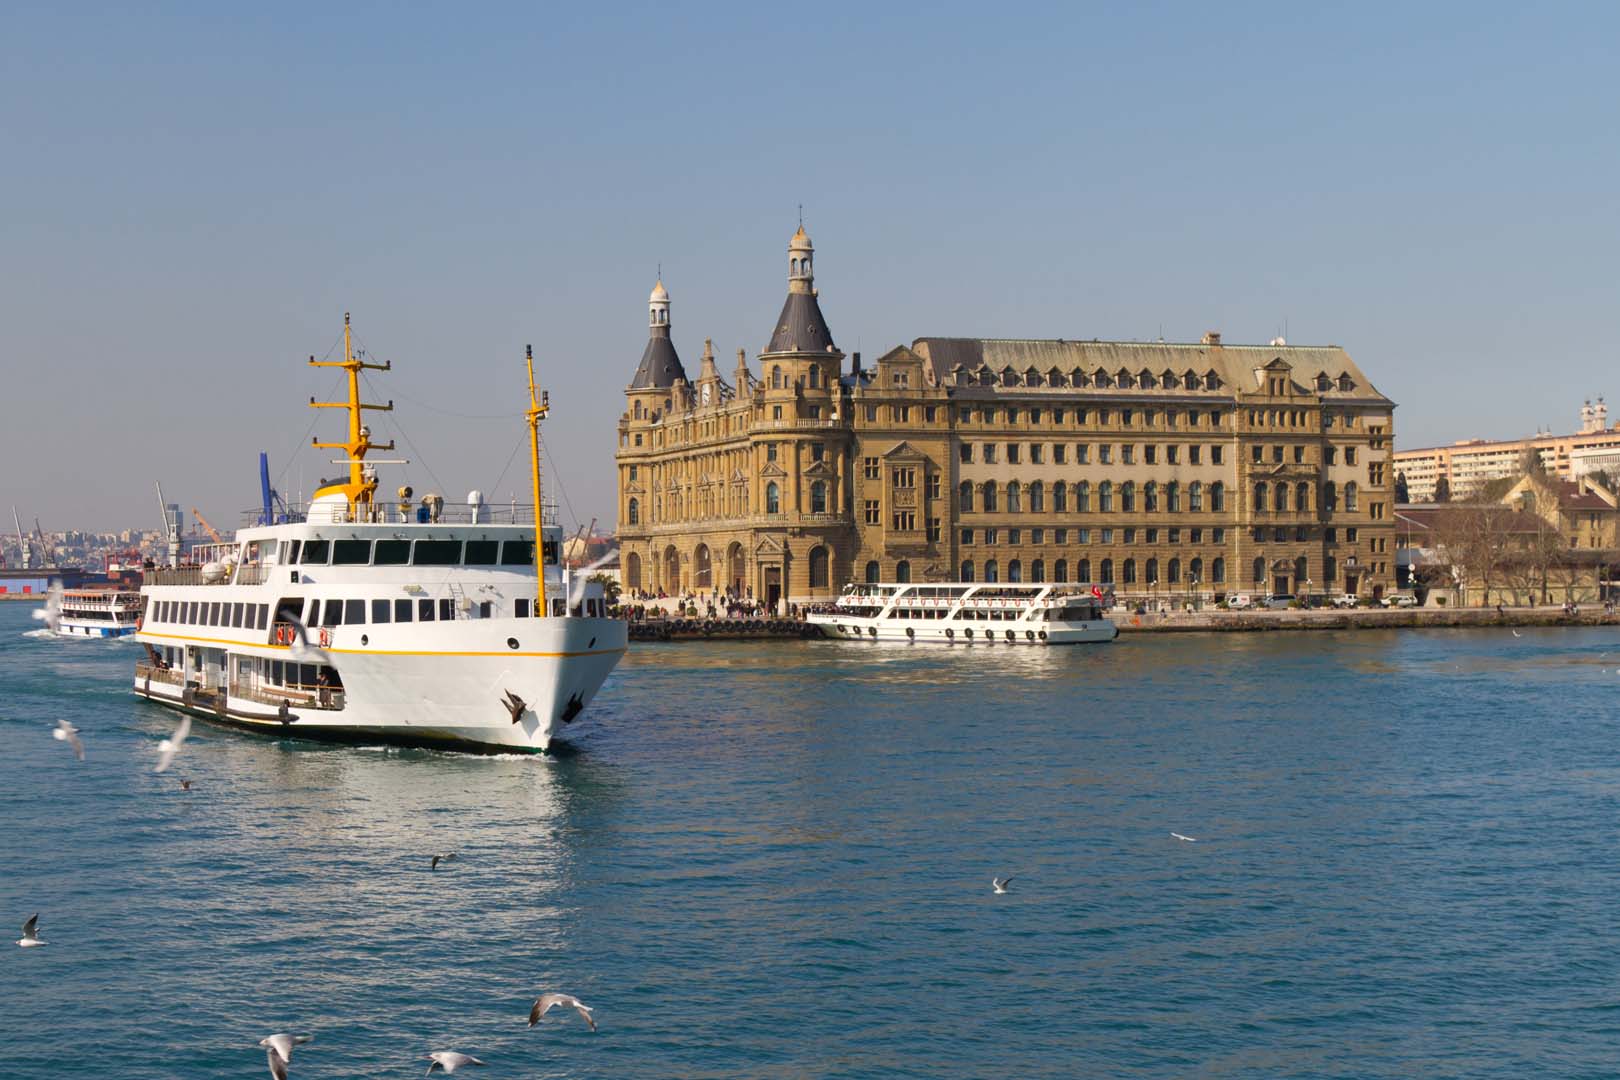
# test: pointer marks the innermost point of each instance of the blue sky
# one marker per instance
(195, 196)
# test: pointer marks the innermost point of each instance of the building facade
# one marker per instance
(1468, 466)
(1173, 472)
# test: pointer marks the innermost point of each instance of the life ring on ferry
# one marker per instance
(969, 632)
(949, 633)
(138, 620)
(1011, 636)
(326, 636)
(1043, 635)
(872, 630)
(1029, 635)
(911, 633)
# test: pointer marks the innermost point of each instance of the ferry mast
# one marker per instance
(538, 407)
(362, 486)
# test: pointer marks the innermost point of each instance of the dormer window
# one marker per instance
(1345, 384)
(1032, 377)
(1145, 380)
(1212, 381)
(1323, 383)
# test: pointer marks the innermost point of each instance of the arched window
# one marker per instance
(1106, 574)
(1195, 570)
(1153, 571)
(1302, 496)
(776, 377)
(1127, 496)
(1015, 571)
(1060, 498)
(1260, 497)
(1105, 496)
(1259, 570)
(773, 498)
(815, 375)
(1217, 570)
(1279, 498)
(987, 495)
(1172, 497)
(1330, 496)
(967, 570)
(1174, 576)
(902, 571)
(1037, 498)
(1082, 570)
(1195, 496)
(1330, 570)
(874, 572)
(1150, 496)
(1129, 572)
(1060, 570)
(1082, 497)
(964, 496)
(818, 497)
(1302, 574)
(634, 512)
(1014, 502)
(632, 571)
(1350, 495)
(818, 567)
(991, 571)
(1217, 497)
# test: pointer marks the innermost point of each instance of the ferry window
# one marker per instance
(238, 613)
(276, 675)
(316, 552)
(482, 552)
(191, 612)
(517, 553)
(213, 614)
(436, 553)
(292, 552)
(424, 610)
(402, 611)
(550, 548)
(392, 553)
(520, 608)
(380, 611)
(262, 618)
(334, 613)
(354, 611)
(313, 617)
(351, 552)
(447, 608)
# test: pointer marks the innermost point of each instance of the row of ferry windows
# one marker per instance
(418, 552)
(211, 613)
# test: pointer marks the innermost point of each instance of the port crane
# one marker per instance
(209, 529)
(23, 553)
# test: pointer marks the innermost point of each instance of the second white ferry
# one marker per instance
(962, 613)
(97, 613)
(360, 621)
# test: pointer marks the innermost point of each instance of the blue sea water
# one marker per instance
(774, 860)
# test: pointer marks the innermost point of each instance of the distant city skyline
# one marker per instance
(197, 198)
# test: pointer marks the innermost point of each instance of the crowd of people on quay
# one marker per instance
(710, 604)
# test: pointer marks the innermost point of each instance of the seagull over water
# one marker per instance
(66, 732)
(278, 1049)
(437, 859)
(30, 938)
(171, 746)
(1517, 634)
(1185, 839)
(450, 1061)
(1000, 884)
(549, 1001)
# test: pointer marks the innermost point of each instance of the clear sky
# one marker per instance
(194, 196)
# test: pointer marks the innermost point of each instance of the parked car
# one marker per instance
(1346, 600)
(1240, 602)
(1400, 600)
(1279, 601)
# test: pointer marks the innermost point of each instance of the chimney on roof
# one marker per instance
(1212, 337)
(855, 362)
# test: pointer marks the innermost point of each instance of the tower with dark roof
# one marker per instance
(660, 366)
(801, 355)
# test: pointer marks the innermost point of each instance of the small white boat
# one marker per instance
(964, 613)
(98, 613)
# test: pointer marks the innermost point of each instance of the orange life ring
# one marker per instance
(326, 637)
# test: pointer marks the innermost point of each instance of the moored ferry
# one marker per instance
(98, 613)
(362, 621)
(965, 613)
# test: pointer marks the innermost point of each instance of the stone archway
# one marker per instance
(736, 568)
(672, 570)
(632, 572)
(702, 569)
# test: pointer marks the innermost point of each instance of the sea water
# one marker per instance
(774, 860)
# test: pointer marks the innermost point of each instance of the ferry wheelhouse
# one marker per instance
(413, 623)
(97, 613)
(963, 613)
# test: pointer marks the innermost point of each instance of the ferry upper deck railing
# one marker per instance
(385, 513)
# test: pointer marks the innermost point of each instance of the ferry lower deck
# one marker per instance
(967, 614)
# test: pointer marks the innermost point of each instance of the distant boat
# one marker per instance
(98, 613)
(965, 613)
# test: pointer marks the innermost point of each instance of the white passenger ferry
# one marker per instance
(360, 621)
(97, 613)
(989, 613)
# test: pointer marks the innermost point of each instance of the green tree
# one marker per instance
(1402, 495)
(610, 587)
(1442, 490)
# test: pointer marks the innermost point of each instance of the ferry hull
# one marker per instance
(983, 634)
(454, 694)
(66, 629)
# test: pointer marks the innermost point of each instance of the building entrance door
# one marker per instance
(1350, 583)
(1279, 585)
(773, 587)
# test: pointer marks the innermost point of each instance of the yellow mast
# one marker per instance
(359, 490)
(538, 407)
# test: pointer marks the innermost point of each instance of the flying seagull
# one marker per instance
(450, 1061)
(437, 859)
(185, 785)
(548, 1001)
(30, 936)
(1517, 634)
(278, 1050)
(66, 732)
(51, 613)
(1187, 839)
(1000, 884)
(171, 746)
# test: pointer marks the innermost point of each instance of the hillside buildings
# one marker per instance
(1467, 466)
(1170, 471)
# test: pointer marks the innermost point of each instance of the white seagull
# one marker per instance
(278, 1049)
(437, 859)
(51, 613)
(1000, 884)
(30, 936)
(450, 1061)
(1517, 634)
(548, 1001)
(66, 732)
(1185, 839)
(171, 746)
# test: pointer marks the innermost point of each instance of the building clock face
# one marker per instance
(706, 389)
